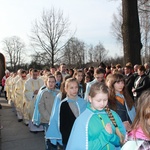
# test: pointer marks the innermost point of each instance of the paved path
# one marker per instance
(15, 135)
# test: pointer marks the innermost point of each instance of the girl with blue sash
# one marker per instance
(44, 105)
(79, 75)
(59, 79)
(97, 127)
(64, 113)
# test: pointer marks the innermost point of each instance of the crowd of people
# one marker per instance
(104, 107)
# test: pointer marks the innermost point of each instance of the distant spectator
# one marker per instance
(129, 64)
(92, 73)
(85, 70)
(59, 79)
(119, 68)
(71, 72)
(63, 70)
(108, 71)
(7, 73)
(102, 65)
(129, 79)
(98, 77)
(141, 83)
(113, 68)
(147, 67)
(52, 70)
(87, 79)
(135, 70)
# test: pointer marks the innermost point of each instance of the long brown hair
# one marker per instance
(143, 113)
(117, 77)
(82, 82)
(62, 89)
(66, 81)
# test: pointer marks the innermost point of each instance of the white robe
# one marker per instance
(14, 81)
(19, 97)
(30, 86)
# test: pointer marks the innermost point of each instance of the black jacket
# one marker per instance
(142, 85)
(129, 80)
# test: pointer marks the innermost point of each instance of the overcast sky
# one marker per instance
(90, 18)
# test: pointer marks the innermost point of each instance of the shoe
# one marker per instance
(26, 122)
(19, 120)
(35, 132)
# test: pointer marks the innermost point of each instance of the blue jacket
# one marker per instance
(36, 114)
(88, 87)
(88, 132)
(53, 133)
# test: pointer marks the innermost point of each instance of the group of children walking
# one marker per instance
(107, 119)
(97, 115)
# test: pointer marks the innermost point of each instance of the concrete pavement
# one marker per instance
(15, 135)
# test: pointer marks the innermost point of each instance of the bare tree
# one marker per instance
(90, 53)
(100, 53)
(116, 26)
(40, 58)
(14, 47)
(49, 34)
(144, 5)
(144, 14)
(74, 52)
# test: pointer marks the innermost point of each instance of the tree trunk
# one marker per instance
(131, 32)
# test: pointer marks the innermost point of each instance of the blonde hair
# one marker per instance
(107, 80)
(97, 88)
(70, 80)
(143, 113)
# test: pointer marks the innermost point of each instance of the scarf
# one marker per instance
(120, 98)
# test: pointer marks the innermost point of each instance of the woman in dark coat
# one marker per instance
(141, 83)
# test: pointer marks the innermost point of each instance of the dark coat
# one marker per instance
(129, 81)
(142, 85)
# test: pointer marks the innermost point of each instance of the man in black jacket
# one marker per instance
(129, 79)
